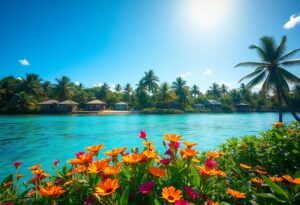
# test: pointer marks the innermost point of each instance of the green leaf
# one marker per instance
(9, 178)
(269, 196)
(196, 177)
(124, 197)
(276, 188)
(156, 202)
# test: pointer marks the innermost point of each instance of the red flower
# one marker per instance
(191, 192)
(166, 161)
(56, 162)
(8, 203)
(174, 145)
(182, 202)
(143, 134)
(78, 154)
(146, 187)
(169, 152)
(210, 163)
(17, 164)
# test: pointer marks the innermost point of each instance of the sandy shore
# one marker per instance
(107, 112)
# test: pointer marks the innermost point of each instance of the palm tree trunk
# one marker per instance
(289, 106)
(279, 105)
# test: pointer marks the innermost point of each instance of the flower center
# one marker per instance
(109, 190)
(170, 197)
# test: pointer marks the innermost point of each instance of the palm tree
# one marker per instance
(128, 92)
(195, 91)
(271, 72)
(150, 81)
(8, 87)
(47, 89)
(214, 90)
(165, 93)
(224, 89)
(22, 102)
(104, 92)
(181, 90)
(64, 88)
(118, 88)
(245, 92)
(32, 85)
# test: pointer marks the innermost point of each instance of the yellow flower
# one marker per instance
(172, 137)
(196, 161)
(80, 169)
(150, 154)
(50, 183)
(190, 144)
(95, 148)
(112, 170)
(276, 179)
(82, 159)
(97, 166)
(256, 180)
(38, 171)
(19, 176)
(158, 172)
(236, 194)
(70, 182)
(148, 143)
(212, 154)
(245, 166)
(290, 179)
(171, 194)
(115, 152)
(35, 167)
(52, 191)
(132, 159)
(107, 187)
(187, 152)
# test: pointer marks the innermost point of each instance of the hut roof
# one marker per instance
(242, 104)
(121, 103)
(68, 102)
(96, 102)
(213, 102)
(48, 102)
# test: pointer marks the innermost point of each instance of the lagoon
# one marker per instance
(34, 139)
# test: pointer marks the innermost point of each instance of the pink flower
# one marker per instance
(146, 187)
(210, 163)
(143, 134)
(56, 162)
(17, 164)
(8, 203)
(59, 181)
(191, 192)
(169, 152)
(165, 161)
(174, 145)
(78, 154)
(182, 202)
(90, 200)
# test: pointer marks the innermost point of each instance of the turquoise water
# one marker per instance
(34, 139)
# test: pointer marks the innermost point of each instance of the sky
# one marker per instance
(116, 41)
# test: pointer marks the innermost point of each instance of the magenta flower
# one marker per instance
(89, 201)
(169, 152)
(165, 161)
(78, 154)
(143, 134)
(210, 163)
(174, 145)
(56, 162)
(60, 181)
(191, 192)
(146, 187)
(182, 202)
(17, 164)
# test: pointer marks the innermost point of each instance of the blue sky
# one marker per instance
(115, 41)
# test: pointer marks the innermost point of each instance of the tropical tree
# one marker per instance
(47, 89)
(150, 81)
(271, 70)
(224, 89)
(104, 92)
(118, 88)
(245, 92)
(128, 91)
(22, 102)
(141, 95)
(31, 85)
(181, 90)
(214, 90)
(165, 93)
(195, 91)
(9, 86)
(64, 89)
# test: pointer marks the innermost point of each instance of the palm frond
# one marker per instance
(291, 62)
(289, 54)
(281, 48)
(259, 50)
(289, 76)
(256, 72)
(267, 84)
(268, 45)
(252, 64)
(283, 85)
(256, 80)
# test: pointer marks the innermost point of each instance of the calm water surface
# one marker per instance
(38, 138)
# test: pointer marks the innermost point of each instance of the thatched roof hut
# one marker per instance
(49, 106)
(121, 106)
(68, 106)
(95, 105)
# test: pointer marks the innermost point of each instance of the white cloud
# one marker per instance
(208, 72)
(77, 83)
(112, 87)
(19, 78)
(24, 62)
(293, 21)
(185, 75)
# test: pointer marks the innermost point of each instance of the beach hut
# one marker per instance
(49, 106)
(198, 106)
(68, 106)
(121, 106)
(95, 105)
(243, 107)
(214, 105)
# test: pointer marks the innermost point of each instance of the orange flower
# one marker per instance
(80, 169)
(132, 159)
(172, 137)
(261, 168)
(158, 172)
(245, 166)
(256, 180)
(150, 154)
(35, 167)
(290, 179)
(276, 179)
(187, 152)
(107, 187)
(97, 166)
(112, 170)
(70, 182)
(204, 170)
(115, 152)
(171, 194)
(196, 161)
(236, 194)
(190, 144)
(214, 155)
(95, 148)
(291, 131)
(210, 202)
(261, 172)
(50, 183)
(82, 159)
(71, 173)
(30, 193)
(52, 191)
(19, 176)
(38, 171)
(277, 124)
(7, 184)
(148, 143)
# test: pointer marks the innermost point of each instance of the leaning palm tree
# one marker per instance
(64, 88)
(271, 70)
(150, 81)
